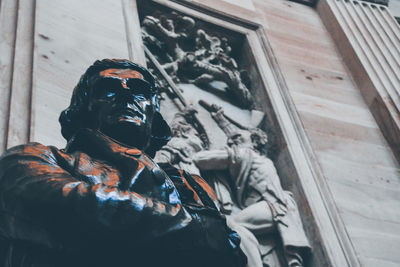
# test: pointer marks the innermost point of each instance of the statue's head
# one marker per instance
(118, 98)
(179, 126)
(254, 138)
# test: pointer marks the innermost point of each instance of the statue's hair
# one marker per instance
(259, 139)
(77, 115)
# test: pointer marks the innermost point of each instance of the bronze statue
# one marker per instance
(103, 201)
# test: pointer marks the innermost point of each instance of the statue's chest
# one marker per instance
(135, 174)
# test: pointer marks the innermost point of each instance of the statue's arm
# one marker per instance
(165, 155)
(212, 160)
(36, 190)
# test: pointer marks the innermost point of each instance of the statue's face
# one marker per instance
(242, 139)
(122, 102)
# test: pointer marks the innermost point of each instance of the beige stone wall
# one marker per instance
(358, 165)
(360, 171)
(394, 7)
(64, 39)
(69, 36)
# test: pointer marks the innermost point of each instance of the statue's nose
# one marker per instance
(124, 85)
(129, 100)
(126, 94)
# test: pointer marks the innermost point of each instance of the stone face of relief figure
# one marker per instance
(184, 144)
(103, 200)
(265, 206)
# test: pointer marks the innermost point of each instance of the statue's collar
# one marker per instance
(99, 145)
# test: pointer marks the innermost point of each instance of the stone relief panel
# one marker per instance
(190, 55)
(208, 100)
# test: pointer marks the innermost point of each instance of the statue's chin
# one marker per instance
(125, 118)
(129, 131)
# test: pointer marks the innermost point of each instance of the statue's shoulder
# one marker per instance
(170, 170)
(205, 186)
(179, 176)
(30, 150)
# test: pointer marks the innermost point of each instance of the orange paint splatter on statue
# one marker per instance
(112, 179)
(122, 73)
(69, 187)
(205, 186)
(195, 196)
(110, 189)
(133, 152)
(33, 149)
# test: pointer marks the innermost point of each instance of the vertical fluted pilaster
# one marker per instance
(369, 39)
(19, 121)
(8, 26)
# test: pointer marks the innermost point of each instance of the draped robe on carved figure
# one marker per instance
(266, 207)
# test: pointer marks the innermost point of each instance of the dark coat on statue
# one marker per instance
(101, 203)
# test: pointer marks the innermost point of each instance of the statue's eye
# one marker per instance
(141, 89)
(110, 92)
(106, 88)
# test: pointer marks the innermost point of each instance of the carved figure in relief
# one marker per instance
(184, 144)
(214, 50)
(167, 33)
(265, 205)
(210, 61)
(103, 201)
(206, 73)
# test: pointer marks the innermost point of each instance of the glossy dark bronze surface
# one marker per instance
(102, 201)
(119, 98)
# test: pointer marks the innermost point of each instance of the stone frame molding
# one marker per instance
(323, 223)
